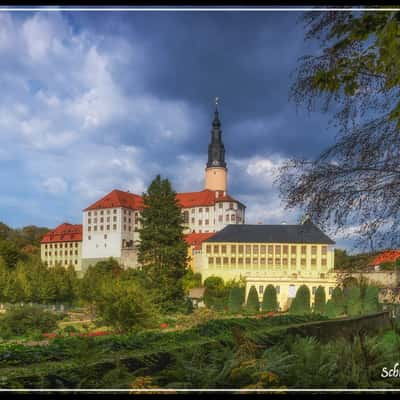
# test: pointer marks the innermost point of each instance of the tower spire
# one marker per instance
(216, 149)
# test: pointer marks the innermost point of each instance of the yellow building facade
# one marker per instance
(285, 256)
(63, 246)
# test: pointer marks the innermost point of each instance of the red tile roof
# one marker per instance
(196, 239)
(64, 233)
(118, 198)
(385, 256)
(203, 198)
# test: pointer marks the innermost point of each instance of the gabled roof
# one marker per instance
(118, 198)
(303, 233)
(64, 233)
(385, 256)
(196, 239)
(204, 198)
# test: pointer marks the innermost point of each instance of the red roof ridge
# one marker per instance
(390, 255)
(65, 232)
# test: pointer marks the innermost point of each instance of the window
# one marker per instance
(206, 222)
(278, 249)
(323, 262)
(255, 261)
(248, 260)
(108, 227)
(95, 228)
(293, 249)
(89, 213)
(226, 260)
(233, 218)
(220, 218)
(233, 261)
(293, 261)
(192, 220)
(105, 236)
(208, 249)
(303, 262)
(124, 227)
(226, 218)
(193, 210)
(218, 260)
(262, 261)
(186, 217)
(277, 261)
(313, 250)
(248, 249)
(115, 211)
(114, 219)
(55, 246)
(241, 249)
(323, 250)
(76, 261)
(216, 249)
(223, 249)
(285, 249)
(101, 212)
(89, 228)
(211, 260)
(114, 227)
(270, 261)
(124, 219)
(95, 213)
(303, 249)
(262, 249)
(240, 261)
(70, 252)
(270, 249)
(220, 205)
(89, 220)
(261, 289)
(313, 262)
(285, 261)
(101, 220)
(207, 209)
(108, 211)
(255, 249)
(70, 245)
(89, 237)
(200, 210)
(76, 244)
(95, 220)
(65, 252)
(76, 252)
(200, 222)
(102, 227)
(108, 219)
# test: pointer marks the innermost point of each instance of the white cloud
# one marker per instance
(55, 185)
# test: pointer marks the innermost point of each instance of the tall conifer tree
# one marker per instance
(163, 251)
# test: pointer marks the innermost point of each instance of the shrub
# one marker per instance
(371, 300)
(253, 304)
(125, 306)
(330, 309)
(301, 303)
(338, 301)
(270, 301)
(22, 320)
(215, 294)
(353, 301)
(235, 300)
(319, 300)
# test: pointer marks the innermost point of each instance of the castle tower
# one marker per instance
(216, 171)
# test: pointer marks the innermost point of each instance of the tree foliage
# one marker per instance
(357, 73)
(162, 249)
(354, 301)
(236, 299)
(253, 303)
(301, 302)
(270, 300)
(338, 301)
(320, 300)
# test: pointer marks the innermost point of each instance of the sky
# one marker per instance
(96, 101)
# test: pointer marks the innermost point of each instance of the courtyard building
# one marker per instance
(286, 256)
(63, 246)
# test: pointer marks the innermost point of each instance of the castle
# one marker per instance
(220, 243)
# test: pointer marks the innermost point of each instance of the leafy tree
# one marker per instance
(330, 309)
(215, 294)
(191, 280)
(236, 299)
(371, 300)
(354, 301)
(20, 320)
(301, 303)
(320, 300)
(357, 73)
(10, 253)
(270, 300)
(338, 301)
(125, 306)
(162, 250)
(253, 303)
